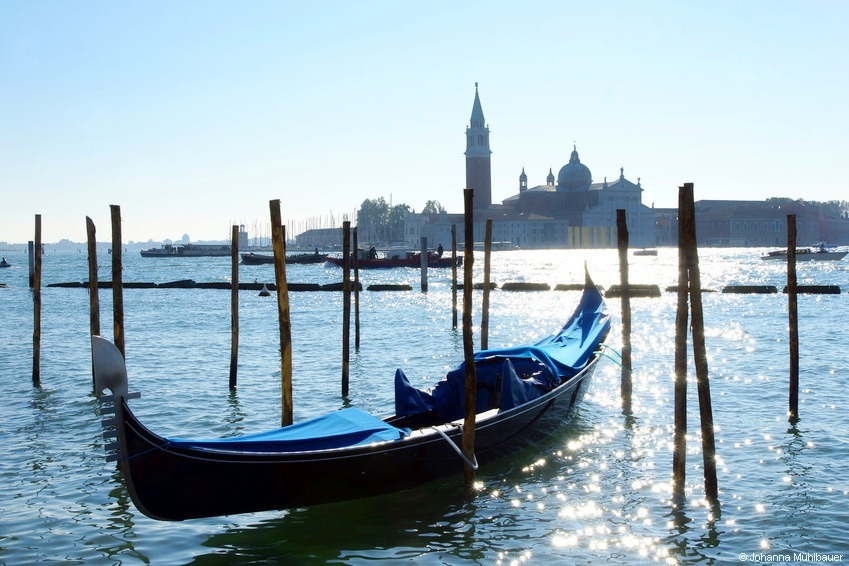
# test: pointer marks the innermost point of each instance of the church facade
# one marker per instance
(570, 211)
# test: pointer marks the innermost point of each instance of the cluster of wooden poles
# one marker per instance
(689, 305)
(689, 287)
(278, 235)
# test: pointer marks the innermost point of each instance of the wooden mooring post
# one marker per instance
(278, 241)
(423, 262)
(117, 280)
(234, 305)
(453, 276)
(93, 295)
(487, 247)
(468, 348)
(622, 244)
(31, 258)
(36, 305)
(356, 253)
(679, 443)
(699, 349)
(793, 309)
(346, 304)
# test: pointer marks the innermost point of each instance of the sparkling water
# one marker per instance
(598, 491)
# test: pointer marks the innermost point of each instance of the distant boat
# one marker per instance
(259, 259)
(371, 260)
(5, 263)
(645, 251)
(188, 250)
(820, 252)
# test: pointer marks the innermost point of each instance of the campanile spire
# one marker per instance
(478, 161)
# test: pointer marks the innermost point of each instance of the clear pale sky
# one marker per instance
(192, 115)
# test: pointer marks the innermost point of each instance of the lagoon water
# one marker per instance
(596, 492)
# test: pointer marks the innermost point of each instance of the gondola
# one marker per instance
(524, 394)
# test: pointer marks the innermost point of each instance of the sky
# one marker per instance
(193, 115)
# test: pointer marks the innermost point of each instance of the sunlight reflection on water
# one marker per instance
(598, 491)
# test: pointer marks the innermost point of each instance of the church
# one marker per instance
(570, 211)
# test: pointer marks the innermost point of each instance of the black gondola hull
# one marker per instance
(176, 484)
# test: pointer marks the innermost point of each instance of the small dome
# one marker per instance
(523, 176)
(574, 175)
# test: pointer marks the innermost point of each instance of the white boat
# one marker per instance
(819, 252)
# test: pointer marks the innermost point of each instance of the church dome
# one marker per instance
(574, 175)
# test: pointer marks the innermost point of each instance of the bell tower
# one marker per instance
(478, 166)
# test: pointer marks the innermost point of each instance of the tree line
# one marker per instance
(379, 222)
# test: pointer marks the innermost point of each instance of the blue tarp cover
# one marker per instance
(525, 372)
(346, 427)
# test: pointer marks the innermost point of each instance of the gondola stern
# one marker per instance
(110, 373)
(110, 370)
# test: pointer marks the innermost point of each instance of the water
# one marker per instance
(596, 492)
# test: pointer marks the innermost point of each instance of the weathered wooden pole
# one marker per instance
(699, 349)
(93, 295)
(487, 252)
(234, 306)
(679, 444)
(36, 306)
(356, 255)
(31, 256)
(794, 317)
(117, 280)
(622, 243)
(346, 304)
(453, 276)
(471, 395)
(423, 259)
(278, 241)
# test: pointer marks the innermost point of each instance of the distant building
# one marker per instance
(573, 213)
(666, 226)
(755, 223)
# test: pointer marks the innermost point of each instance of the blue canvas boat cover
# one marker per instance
(339, 429)
(512, 376)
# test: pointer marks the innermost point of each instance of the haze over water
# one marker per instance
(598, 491)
